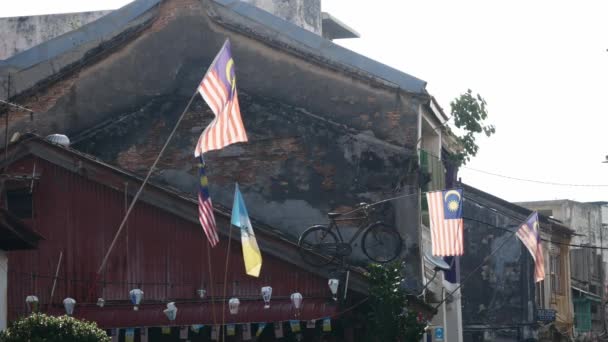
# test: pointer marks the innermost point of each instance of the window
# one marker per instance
(540, 294)
(19, 202)
(555, 274)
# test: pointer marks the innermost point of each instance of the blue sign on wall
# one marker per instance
(439, 334)
(545, 315)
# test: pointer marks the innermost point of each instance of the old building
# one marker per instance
(588, 264)
(328, 128)
(500, 300)
(77, 202)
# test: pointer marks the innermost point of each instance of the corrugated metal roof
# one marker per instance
(160, 252)
(298, 37)
(289, 33)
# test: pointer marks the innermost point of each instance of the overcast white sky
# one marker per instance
(541, 65)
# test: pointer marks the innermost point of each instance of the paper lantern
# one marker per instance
(333, 287)
(171, 311)
(296, 300)
(136, 295)
(266, 295)
(32, 303)
(101, 302)
(233, 305)
(201, 293)
(69, 304)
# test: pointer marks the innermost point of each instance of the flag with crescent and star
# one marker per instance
(528, 233)
(205, 207)
(218, 88)
(445, 212)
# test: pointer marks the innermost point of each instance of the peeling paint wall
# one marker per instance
(295, 168)
(498, 299)
(21, 33)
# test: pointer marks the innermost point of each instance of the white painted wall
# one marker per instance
(304, 13)
(21, 33)
(3, 289)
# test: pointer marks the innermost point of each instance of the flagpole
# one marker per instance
(136, 197)
(211, 282)
(226, 279)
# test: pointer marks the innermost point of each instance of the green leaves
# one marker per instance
(390, 319)
(40, 327)
(469, 113)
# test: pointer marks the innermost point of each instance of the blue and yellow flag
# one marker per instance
(251, 251)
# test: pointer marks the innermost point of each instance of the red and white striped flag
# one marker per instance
(528, 233)
(445, 211)
(205, 207)
(218, 88)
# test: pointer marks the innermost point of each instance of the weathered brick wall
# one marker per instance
(295, 168)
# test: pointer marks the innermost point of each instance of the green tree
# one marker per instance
(40, 327)
(470, 113)
(389, 318)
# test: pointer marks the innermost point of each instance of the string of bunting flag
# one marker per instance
(214, 332)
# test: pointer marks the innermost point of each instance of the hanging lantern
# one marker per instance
(266, 294)
(333, 287)
(233, 305)
(201, 293)
(171, 311)
(136, 295)
(296, 300)
(101, 302)
(32, 303)
(69, 304)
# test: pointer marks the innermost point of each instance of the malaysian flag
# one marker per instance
(205, 208)
(445, 210)
(218, 88)
(529, 235)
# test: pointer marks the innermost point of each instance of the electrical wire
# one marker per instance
(535, 181)
(519, 219)
(519, 178)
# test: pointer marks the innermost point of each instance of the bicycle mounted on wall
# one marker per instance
(319, 245)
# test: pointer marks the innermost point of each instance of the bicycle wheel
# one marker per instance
(381, 243)
(316, 245)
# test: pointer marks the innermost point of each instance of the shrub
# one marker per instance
(41, 327)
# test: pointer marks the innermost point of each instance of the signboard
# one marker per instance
(545, 315)
(439, 334)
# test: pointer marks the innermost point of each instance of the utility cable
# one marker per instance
(535, 181)
(474, 270)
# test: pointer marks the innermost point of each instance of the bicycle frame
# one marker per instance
(365, 223)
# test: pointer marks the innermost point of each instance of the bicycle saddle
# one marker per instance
(333, 215)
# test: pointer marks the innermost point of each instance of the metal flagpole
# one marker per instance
(124, 220)
(211, 282)
(122, 224)
(225, 280)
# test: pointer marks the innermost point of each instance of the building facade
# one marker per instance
(501, 301)
(77, 202)
(588, 264)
